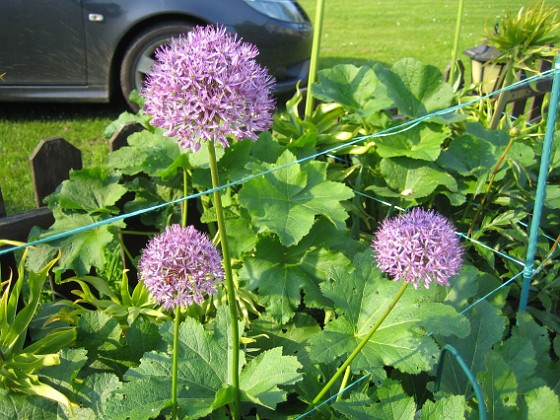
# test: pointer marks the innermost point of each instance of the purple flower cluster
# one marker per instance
(179, 266)
(420, 245)
(206, 86)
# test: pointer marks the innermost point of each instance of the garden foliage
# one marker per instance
(301, 204)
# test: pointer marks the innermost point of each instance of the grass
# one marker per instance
(354, 31)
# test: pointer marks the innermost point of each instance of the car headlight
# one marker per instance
(285, 10)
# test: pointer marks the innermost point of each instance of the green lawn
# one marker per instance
(355, 31)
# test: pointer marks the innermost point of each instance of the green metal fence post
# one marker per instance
(541, 187)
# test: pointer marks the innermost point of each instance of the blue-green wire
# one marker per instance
(468, 373)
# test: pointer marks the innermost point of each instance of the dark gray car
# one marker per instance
(87, 50)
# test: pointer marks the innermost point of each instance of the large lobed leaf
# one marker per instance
(204, 374)
(416, 89)
(287, 201)
(422, 142)
(282, 275)
(401, 341)
(357, 89)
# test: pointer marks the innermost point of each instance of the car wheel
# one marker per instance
(140, 55)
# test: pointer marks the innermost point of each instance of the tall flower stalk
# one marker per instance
(416, 247)
(179, 267)
(207, 87)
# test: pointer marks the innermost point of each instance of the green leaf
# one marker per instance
(292, 337)
(142, 399)
(96, 389)
(204, 371)
(451, 407)
(108, 348)
(487, 329)
(393, 403)
(542, 403)
(18, 406)
(464, 287)
(80, 251)
(415, 88)
(260, 378)
(519, 354)
(469, 155)
(499, 387)
(423, 142)
(93, 190)
(287, 201)
(414, 179)
(151, 153)
(359, 298)
(281, 274)
(62, 376)
(356, 88)
(552, 199)
(528, 330)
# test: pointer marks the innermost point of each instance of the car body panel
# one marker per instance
(30, 42)
(90, 49)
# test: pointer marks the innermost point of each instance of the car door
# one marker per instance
(42, 43)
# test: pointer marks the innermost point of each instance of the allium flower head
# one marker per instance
(207, 85)
(179, 266)
(420, 245)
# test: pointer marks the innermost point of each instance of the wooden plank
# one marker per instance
(51, 162)
(17, 227)
(119, 139)
(2, 207)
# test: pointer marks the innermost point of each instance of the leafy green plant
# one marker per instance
(22, 363)
(523, 41)
(300, 205)
(124, 306)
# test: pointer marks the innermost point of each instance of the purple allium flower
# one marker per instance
(179, 266)
(207, 85)
(420, 245)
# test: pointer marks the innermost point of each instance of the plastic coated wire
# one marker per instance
(468, 373)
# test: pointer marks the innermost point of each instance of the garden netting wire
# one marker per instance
(527, 269)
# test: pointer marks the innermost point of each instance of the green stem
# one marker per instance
(318, 25)
(230, 286)
(175, 365)
(361, 345)
(343, 383)
(501, 102)
(184, 203)
(456, 42)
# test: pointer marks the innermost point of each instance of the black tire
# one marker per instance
(141, 52)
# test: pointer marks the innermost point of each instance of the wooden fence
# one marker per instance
(51, 163)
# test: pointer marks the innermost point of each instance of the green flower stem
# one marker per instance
(343, 383)
(230, 286)
(455, 50)
(318, 25)
(184, 203)
(361, 345)
(175, 365)
(501, 102)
